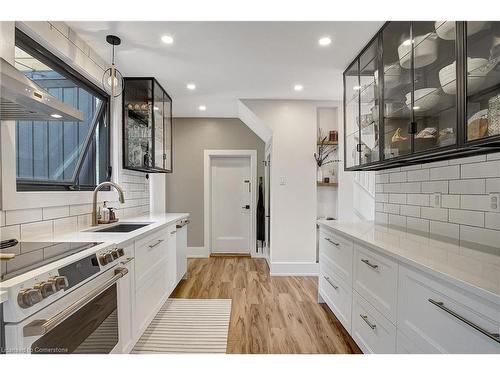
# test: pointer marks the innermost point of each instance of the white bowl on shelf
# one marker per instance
(425, 51)
(447, 76)
(425, 99)
(446, 29)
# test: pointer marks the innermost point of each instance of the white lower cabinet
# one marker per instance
(172, 259)
(441, 318)
(376, 278)
(370, 329)
(390, 307)
(337, 295)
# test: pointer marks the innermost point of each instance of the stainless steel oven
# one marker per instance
(84, 321)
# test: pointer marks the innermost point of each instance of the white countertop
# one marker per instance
(156, 220)
(475, 270)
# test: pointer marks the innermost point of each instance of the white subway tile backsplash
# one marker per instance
(492, 220)
(397, 177)
(450, 201)
(411, 187)
(40, 230)
(391, 208)
(481, 170)
(418, 199)
(451, 172)
(50, 213)
(65, 225)
(493, 185)
(474, 186)
(435, 187)
(417, 225)
(475, 202)
(10, 232)
(84, 221)
(419, 175)
(397, 220)
(474, 218)
(468, 160)
(397, 198)
(80, 209)
(480, 236)
(409, 210)
(495, 156)
(23, 216)
(447, 230)
(382, 178)
(403, 199)
(382, 197)
(431, 213)
(392, 188)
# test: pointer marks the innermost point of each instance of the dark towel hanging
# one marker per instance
(261, 221)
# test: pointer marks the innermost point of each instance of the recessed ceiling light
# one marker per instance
(191, 86)
(55, 115)
(325, 41)
(298, 87)
(202, 108)
(167, 39)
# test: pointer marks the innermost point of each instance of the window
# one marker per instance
(61, 155)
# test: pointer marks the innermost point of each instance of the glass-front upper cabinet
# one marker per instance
(397, 88)
(483, 80)
(147, 126)
(352, 89)
(369, 104)
(434, 101)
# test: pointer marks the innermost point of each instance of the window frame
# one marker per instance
(27, 44)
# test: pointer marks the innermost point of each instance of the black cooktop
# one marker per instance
(31, 255)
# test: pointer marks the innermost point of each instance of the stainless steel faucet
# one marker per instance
(94, 198)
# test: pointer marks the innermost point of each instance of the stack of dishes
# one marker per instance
(475, 77)
(424, 99)
(446, 29)
(425, 51)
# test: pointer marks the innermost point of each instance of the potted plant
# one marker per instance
(323, 155)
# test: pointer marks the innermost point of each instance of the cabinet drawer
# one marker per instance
(149, 251)
(404, 345)
(370, 329)
(337, 295)
(376, 279)
(440, 318)
(336, 239)
(338, 257)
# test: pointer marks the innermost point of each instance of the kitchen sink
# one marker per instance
(122, 228)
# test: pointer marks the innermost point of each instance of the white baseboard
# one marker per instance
(294, 269)
(198, 252)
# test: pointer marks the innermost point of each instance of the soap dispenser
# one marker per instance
(105, 213)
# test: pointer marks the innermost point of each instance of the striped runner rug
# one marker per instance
(188, 326)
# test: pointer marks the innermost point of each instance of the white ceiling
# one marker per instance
(233, 60)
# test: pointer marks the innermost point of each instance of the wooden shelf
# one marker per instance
(332, 184)
(329, 143)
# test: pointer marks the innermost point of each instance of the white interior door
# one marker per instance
(230, 204)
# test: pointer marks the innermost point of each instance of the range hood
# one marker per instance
(24, 100)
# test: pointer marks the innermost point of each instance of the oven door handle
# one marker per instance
(42, 326)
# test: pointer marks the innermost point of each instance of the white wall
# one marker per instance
(29, 214)
(293, 204)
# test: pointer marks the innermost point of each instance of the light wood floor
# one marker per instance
(269, 314)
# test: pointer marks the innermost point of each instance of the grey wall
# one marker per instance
(191, 137)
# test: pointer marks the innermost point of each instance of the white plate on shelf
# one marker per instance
(446, 29)
(425, 51)
(447, 76)
(425, 99)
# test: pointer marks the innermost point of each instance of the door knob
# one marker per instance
(247, 207)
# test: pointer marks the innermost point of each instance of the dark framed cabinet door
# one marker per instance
(352, 116)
